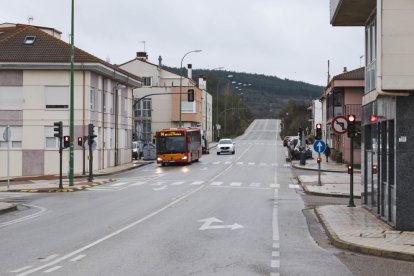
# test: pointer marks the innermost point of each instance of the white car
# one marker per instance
(226, 146)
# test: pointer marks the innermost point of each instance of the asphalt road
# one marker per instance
(239, 214)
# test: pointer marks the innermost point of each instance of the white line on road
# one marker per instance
(52, 269)
(77, 258)
(235, 184)
(177, 183)
(161, 188)
(138, 183)
(216, 183)
(21, 269)
(113, 234)
(294, 186)
(274, 186)
(197, 183)
(275, 263)
(41, 212)
(118, 184)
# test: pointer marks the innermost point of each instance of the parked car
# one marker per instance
(226, 146)
(137, 149)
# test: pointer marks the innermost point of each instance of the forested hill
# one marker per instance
(264, 95)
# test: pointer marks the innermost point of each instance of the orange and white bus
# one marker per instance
(178, 145)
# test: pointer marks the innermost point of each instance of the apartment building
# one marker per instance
(35, 93)
(387, 118)
(157, 102)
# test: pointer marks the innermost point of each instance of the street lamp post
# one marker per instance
(181, 78)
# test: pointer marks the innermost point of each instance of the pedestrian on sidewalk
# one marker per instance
(327, 152)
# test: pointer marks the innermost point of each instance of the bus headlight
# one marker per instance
(159, 159)
(184, 158)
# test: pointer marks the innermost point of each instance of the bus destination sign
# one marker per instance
(171, 133)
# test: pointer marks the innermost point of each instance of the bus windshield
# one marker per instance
(174, 144)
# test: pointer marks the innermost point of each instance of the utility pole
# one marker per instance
(72, 100)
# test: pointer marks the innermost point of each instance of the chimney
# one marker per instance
(190, 71)
(160, 61)
(345, 70)
(142, 56)
(202, 83)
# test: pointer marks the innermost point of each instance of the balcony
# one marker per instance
(354, 109)
(351, 12)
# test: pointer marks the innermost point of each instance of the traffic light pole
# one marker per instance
(60, 162)
(351, 176)
(90, 177)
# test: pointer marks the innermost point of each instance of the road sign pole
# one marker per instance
(351, 176)
(319, 170)
(8, 156)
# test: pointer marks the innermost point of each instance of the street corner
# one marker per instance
(7, 207)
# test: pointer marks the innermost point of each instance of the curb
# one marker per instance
(64, 190)
(323, 194)
(338, 242)
(11, 208)
(312, 169)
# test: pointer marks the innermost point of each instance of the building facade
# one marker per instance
(35, 93)
(387, 117)
(157, 102)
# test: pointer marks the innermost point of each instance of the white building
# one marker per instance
(158, 100)
(35, 93)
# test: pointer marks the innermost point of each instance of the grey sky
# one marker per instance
(286, 38)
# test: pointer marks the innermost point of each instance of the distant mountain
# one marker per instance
(264, 95)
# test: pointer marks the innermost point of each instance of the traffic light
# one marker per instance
(91, 134)
(190, 95)
(58, 129)
(350, 169)
(318, 159)
(80, 141)
(351, 126)
(318, 132)
(66, 141)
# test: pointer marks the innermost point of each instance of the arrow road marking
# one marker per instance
(209, 221)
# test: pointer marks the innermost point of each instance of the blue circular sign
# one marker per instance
(319, 146)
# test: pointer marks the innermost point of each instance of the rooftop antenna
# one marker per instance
(143, 43)
(30, 19)
(360, 60)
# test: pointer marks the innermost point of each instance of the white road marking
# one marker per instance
(275, 254)
(216, 183)
(160, 188)
(294, 186)
(159, 183)
(52, 269)
(216, 163)
(263, 164)
(275, 263)
(138, 183)
(239, 163)
(203, 169)
(276, 245)
(274, 185)
(118, 184)
(197, 183)
(21, 269)
(209, 221)
(227, 162)
(113, 234)
(287, 165)
(255, 184)
(41, 212)
(236, 184)
(251, 163)
(77, 258)
(177, 183)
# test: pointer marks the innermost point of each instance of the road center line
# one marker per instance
(113, 234)
(41, 212)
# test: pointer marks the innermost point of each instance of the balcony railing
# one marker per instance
(354, 109)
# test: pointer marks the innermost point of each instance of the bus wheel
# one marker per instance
(163, 164)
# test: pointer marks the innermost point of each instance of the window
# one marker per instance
(15, 137)
(371, 55)
(11, 98)
(92, 99)
(29, 40)
(188, 107)
(143, 108)
(147, 81)
(52, 142)
(57, 96)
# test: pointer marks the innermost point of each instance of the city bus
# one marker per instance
(178, 145)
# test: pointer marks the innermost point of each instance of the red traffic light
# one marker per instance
(318, 159)
(350, 169)
(351, 118)
(66, 141)
(80, 141)
(318, 126)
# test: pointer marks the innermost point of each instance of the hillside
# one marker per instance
(264, 95)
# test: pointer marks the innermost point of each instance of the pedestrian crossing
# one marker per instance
(241, 163)
(165, 184)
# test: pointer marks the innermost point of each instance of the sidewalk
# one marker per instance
(352, 228)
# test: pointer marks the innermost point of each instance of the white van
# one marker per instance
(137, 151)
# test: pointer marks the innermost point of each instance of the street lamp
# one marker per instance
(181, 77)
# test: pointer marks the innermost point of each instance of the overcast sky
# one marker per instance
(285, 38)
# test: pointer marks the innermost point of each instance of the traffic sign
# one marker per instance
(319, 146)
(340, 125)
